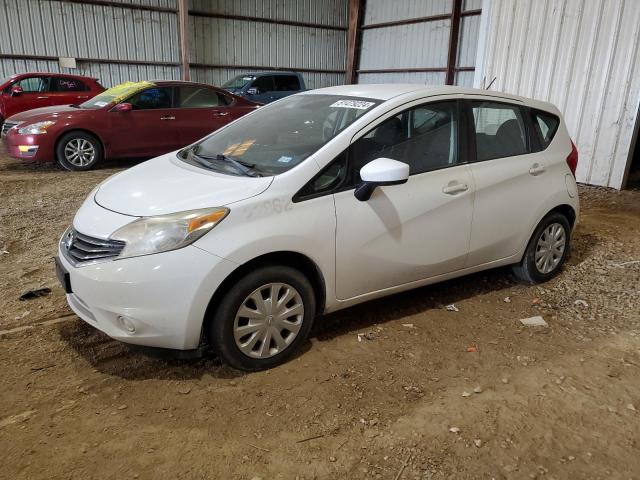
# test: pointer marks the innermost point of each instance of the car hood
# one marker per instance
(167, 185)
(50, 113)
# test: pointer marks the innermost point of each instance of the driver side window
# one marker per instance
(34, 84)
(152, 98)
(425, 137)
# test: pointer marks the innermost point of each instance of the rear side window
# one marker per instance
(264, 84)
(199, 97)
(500, 130)
(546, 125)
(285, 83)
(61, 84)
(152, 98)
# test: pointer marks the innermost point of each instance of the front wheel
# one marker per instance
(78, 151)
(547, 250)
(263, 318)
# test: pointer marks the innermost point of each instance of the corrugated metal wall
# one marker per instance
(61, 29)
(89, 31)
(224, 41)
(417, 45)
(582, 56)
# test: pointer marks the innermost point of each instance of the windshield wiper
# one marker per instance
(244, 168)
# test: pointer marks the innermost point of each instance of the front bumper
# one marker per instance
(155, 300)
(35, 148)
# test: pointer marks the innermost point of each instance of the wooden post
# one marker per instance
(453, 42)
(353, 40)
(183, 30)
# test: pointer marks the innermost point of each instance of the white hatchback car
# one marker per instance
(314, 203)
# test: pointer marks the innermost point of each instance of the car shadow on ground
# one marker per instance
(114, 358)
(14, 165)
(433, 297)
(111, 357)
(417, 301)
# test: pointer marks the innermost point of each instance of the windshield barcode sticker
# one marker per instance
(359, 104)
(101, 104)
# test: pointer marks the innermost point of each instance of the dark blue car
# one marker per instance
(265, 87)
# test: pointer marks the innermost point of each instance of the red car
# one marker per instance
(35, 90)
(140, 119)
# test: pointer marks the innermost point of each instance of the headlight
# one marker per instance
(35, 128)
(167, 232)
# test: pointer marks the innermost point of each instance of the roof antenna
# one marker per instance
(489, 86)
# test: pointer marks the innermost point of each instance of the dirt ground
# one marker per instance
(410, 400)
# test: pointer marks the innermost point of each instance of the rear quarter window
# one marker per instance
(500, 130)
(545, 125)
(63, 84)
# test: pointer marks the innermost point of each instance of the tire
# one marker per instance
(533, 270)
(87, 148)
(239, 341)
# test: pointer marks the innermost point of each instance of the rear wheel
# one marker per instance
(78, 151)
(547, 250)
(263, 318)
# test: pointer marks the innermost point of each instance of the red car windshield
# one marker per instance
(115, 95)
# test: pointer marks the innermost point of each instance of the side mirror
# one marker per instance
(253, 91)
(380, 172)
(122, 108)
(16, 91)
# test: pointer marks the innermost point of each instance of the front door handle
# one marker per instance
(536, 169)
(167, 118)
(220, 114)
(453, 188)
(82, 96)
(42, 98)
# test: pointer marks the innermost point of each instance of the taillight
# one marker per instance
(572, 159)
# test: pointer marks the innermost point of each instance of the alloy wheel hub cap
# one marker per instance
(79, 152)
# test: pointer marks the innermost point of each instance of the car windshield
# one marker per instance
(238, 82)
(115, 94)
(277, 137)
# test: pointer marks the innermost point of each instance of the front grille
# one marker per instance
(81, 248)
(6, 126)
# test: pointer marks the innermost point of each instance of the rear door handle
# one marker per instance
(536, 169)
(42, 98)
(453, 188)
(167, 118)
(220, 114)
(82, 96)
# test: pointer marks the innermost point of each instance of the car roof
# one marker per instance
(387, 91)
(390, 90)
(52, 74)
(181, 82)
(260, 74)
